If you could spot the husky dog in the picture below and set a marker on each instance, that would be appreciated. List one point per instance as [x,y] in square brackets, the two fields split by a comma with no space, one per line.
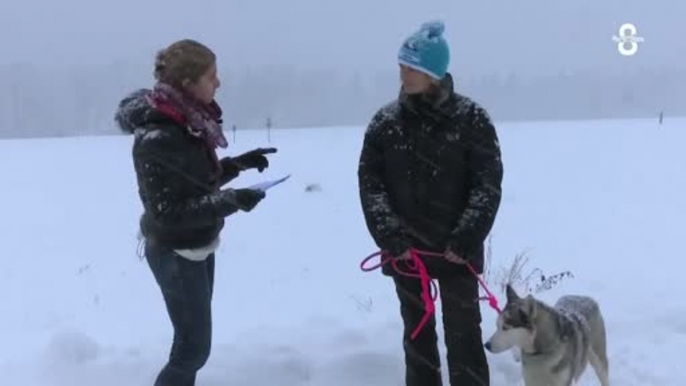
[555,344]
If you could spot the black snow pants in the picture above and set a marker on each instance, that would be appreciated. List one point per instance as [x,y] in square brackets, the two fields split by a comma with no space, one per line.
[187,288]
[467,362]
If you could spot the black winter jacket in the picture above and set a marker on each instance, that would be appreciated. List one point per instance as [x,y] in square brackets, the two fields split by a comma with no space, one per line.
[179,178]
[430,175]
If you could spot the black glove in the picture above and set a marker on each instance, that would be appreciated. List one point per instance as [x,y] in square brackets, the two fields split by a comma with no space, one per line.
[254,159]
[229,166]
[247,199]
[398,248]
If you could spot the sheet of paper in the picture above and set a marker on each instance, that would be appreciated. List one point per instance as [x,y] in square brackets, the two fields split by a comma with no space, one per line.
[264,186]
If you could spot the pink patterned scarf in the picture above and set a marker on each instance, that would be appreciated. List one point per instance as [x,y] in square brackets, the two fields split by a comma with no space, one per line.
[204,121]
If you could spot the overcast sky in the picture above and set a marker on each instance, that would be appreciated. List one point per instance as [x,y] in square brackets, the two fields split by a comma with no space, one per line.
[524,36]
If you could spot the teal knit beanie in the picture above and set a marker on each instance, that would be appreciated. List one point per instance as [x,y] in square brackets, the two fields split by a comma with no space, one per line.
[427,50]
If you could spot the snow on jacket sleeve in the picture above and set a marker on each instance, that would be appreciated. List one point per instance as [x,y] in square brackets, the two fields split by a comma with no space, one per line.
[162,179]
[383,224]
[485,171]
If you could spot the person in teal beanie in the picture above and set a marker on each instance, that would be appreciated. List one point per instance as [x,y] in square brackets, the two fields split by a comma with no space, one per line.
[430,175]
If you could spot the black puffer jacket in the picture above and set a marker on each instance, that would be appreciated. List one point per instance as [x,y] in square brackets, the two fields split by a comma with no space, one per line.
[430,177]
[179,178]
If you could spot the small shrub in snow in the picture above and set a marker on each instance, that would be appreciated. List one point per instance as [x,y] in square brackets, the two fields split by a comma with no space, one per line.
[533,282]
[313,188]
[362,305]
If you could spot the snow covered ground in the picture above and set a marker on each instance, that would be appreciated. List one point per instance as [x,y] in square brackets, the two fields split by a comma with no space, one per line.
[603,200]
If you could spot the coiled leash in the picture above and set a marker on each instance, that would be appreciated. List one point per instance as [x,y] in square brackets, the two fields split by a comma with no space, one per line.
[429,289]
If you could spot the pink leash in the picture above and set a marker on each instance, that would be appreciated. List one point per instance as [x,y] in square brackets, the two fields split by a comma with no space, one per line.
[416,264]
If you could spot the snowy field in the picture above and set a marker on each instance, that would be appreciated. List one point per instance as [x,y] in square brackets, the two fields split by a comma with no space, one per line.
[604,200]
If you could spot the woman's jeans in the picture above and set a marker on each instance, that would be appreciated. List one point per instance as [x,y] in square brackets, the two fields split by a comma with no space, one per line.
[187,287]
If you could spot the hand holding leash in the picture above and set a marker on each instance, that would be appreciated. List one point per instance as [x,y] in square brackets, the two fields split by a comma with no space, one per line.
[454,258]
[407,255]
[420,272]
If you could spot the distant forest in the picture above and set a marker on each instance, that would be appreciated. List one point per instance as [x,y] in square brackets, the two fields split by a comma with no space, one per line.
[49,102]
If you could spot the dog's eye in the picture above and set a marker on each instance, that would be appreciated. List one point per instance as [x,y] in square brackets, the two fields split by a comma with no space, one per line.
[524,317]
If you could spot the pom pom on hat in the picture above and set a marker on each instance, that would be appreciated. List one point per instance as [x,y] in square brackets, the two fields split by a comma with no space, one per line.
[434,28]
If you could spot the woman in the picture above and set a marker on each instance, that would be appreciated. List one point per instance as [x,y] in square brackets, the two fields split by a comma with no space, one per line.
[177,127]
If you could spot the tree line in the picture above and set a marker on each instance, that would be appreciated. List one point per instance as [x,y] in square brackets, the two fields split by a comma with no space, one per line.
[53,102]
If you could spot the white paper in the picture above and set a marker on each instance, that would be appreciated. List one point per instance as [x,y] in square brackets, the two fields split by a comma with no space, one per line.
[264,186]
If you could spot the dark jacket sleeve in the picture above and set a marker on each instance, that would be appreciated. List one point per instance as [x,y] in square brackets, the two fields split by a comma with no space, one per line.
[161,179]
[383,224]
[485,171]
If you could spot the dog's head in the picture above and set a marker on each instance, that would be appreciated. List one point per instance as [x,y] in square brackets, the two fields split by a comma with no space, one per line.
[516,326]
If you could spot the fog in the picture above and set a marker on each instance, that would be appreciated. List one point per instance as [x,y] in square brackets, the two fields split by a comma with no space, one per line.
[65,64]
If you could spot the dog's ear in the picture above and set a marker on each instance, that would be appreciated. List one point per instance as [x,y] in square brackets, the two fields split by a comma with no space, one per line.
[511,294]
[531,307]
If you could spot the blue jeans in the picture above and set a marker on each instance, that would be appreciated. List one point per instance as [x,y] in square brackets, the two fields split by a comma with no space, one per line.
[187,288]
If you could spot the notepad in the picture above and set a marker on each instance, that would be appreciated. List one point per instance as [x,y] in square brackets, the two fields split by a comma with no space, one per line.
[264,186]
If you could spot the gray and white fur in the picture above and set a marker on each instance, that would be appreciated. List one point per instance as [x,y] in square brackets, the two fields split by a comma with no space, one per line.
[556,343]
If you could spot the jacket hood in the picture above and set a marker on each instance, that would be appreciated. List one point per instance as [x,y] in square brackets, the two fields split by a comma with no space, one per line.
[133,111]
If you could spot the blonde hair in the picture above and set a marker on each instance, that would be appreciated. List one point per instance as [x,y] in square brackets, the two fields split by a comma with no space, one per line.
[183,60]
